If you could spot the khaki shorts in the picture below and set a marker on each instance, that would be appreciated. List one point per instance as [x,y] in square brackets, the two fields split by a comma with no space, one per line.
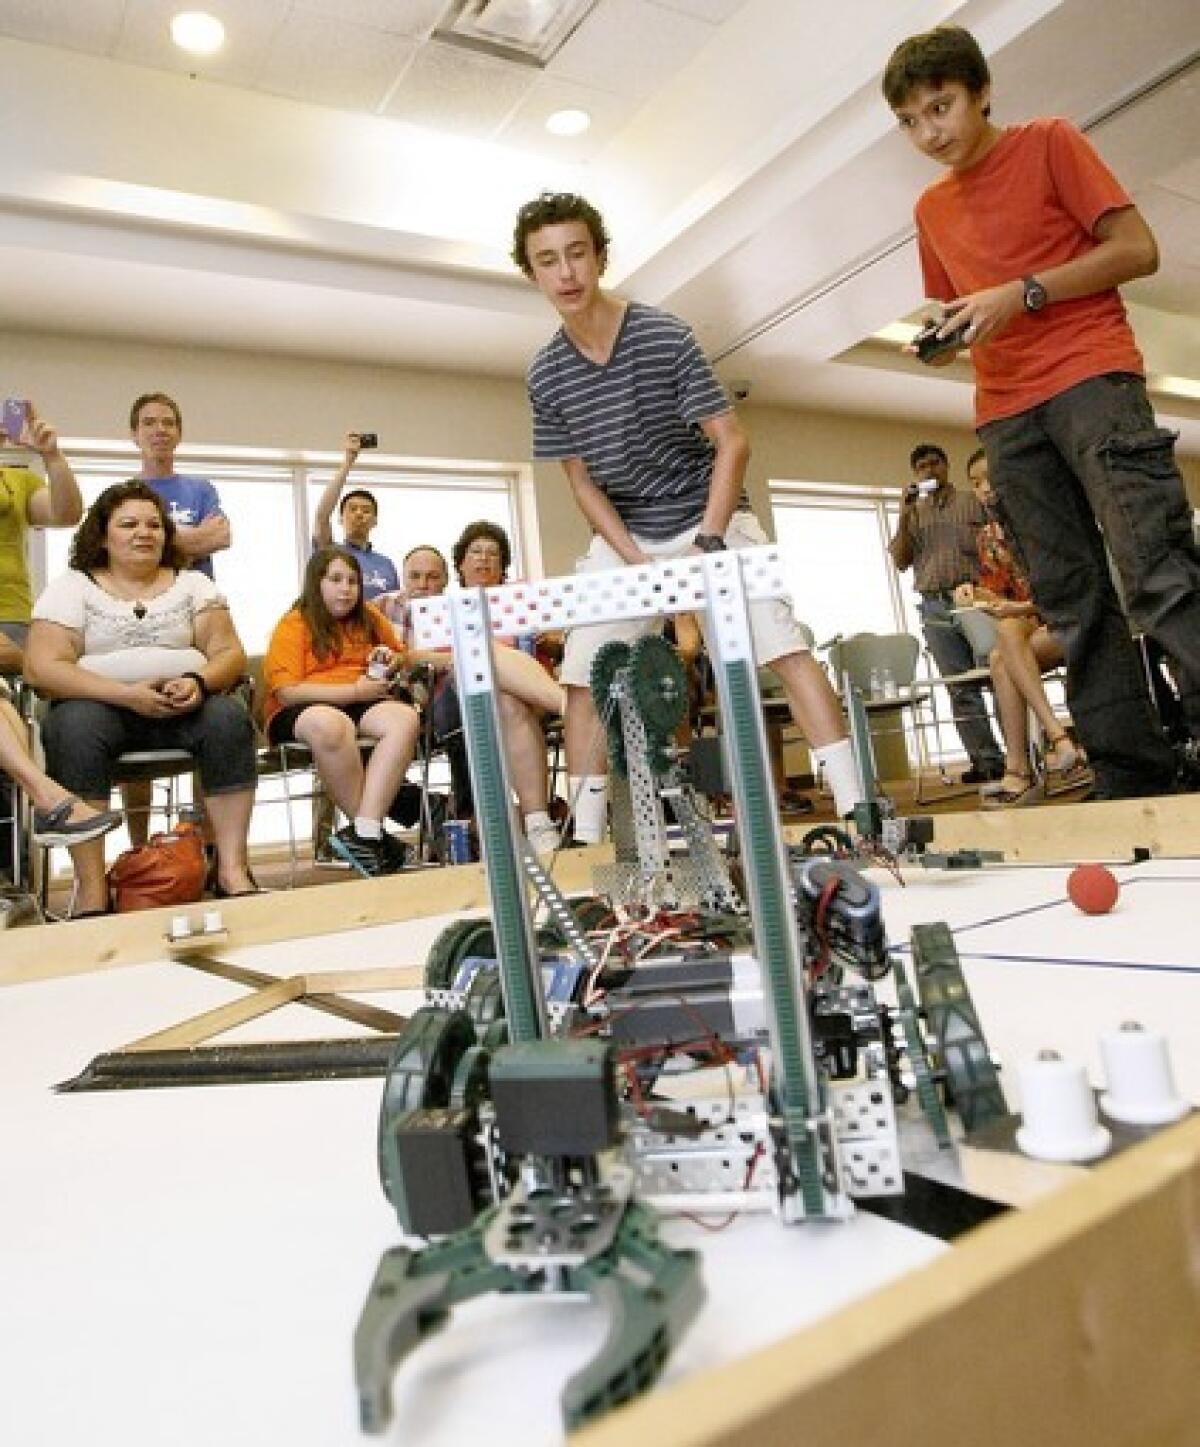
[777,634]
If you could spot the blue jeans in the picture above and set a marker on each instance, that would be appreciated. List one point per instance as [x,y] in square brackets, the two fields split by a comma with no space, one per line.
[1089,467]
[84,738]
[952,652]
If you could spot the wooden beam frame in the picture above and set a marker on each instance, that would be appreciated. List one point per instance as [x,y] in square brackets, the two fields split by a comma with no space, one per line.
[1075,1322]
[265,999]
[79,947]
[1054,834]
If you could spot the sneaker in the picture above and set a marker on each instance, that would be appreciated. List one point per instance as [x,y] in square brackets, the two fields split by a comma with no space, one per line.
[395,853]
[791,802]
[326,857]
[54,826]
[368,856]
[544,840]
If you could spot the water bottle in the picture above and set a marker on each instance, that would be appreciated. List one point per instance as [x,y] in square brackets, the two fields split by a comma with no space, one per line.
[890,688]
[874,684]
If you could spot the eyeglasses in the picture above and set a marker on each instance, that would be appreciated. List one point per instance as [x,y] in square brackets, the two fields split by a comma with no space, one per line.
[484,550]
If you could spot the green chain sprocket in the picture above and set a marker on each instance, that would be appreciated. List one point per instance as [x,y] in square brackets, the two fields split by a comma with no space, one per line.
[658,683]
[608,662]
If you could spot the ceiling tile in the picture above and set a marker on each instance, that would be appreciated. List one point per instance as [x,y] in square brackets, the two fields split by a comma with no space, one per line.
[715,12]
[413,18]
[459,91]
[604,52]
[88,25]
[526,127]
[332,62]
[250,28]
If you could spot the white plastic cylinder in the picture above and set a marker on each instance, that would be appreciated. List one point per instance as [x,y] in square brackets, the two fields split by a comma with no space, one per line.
[1141,1086]
[1059,1110]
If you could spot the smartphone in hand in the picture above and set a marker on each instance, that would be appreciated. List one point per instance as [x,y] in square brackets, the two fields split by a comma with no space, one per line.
[367,440]
[15,417]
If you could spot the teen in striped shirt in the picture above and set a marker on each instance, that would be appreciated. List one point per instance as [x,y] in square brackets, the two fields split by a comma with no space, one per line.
[623,397]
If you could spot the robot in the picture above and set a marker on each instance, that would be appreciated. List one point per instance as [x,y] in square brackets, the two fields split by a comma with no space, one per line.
[530,1126]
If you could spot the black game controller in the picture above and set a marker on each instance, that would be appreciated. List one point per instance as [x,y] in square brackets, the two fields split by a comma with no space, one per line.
[930,346]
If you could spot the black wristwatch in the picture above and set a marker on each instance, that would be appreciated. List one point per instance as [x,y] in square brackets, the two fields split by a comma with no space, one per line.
[1035,295]
[709,542]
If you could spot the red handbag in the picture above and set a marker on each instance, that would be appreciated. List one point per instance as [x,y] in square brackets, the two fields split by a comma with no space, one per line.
[168,869]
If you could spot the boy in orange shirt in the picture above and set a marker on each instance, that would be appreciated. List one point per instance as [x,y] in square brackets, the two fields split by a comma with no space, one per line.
[1026,241]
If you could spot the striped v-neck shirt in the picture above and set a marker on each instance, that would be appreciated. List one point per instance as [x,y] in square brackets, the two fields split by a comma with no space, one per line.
[633,420]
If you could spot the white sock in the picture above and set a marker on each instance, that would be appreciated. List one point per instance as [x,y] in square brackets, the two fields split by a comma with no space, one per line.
[367,828]
[589,794]
[541,832]
[841,769]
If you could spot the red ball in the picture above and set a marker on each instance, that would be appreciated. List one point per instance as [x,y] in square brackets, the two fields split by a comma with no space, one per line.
[1092,888]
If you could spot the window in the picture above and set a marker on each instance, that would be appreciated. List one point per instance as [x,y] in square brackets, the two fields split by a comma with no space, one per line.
[416,509]
[834,539]
[270,506]
[270,509]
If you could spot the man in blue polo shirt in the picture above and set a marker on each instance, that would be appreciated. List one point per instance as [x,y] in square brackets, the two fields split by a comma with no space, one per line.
[655,456]
[201,527]
[359,513]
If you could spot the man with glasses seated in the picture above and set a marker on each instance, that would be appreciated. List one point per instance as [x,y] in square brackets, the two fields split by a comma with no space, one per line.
[527,693]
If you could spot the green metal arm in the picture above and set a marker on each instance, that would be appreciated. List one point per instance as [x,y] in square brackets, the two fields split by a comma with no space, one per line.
[650,1293]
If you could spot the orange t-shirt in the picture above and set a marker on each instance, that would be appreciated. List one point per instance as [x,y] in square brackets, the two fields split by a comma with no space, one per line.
[290,657]
[1032,203]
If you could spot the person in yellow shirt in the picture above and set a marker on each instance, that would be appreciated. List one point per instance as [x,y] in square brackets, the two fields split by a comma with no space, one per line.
[26,500]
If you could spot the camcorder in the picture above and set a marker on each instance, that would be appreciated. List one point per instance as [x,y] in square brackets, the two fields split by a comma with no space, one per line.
[924,488]
[930,346]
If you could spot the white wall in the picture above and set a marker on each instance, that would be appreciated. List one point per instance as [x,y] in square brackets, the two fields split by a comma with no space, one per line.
[85,386]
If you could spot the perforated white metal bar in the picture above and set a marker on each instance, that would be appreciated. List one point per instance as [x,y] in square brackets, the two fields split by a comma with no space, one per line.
[648,590]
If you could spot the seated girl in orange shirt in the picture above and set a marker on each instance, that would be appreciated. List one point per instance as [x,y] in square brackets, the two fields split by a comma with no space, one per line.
[329,672]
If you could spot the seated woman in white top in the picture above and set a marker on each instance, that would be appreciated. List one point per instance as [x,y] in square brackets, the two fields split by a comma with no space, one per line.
[138,652]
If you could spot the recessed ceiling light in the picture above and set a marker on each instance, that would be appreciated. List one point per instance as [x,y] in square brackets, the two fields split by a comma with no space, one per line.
[568,123]
[197,32]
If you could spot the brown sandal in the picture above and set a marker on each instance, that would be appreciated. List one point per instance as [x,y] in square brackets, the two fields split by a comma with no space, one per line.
[1071,757]
[1028,793]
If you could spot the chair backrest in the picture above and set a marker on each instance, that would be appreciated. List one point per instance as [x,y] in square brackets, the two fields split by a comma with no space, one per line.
[257,700]
[862,653]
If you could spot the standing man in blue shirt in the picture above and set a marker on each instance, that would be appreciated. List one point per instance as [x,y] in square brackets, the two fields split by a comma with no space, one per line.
[359,513]
[655,456]
[201,527]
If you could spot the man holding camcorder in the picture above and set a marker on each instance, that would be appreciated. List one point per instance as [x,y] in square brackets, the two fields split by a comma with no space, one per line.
[936,537]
